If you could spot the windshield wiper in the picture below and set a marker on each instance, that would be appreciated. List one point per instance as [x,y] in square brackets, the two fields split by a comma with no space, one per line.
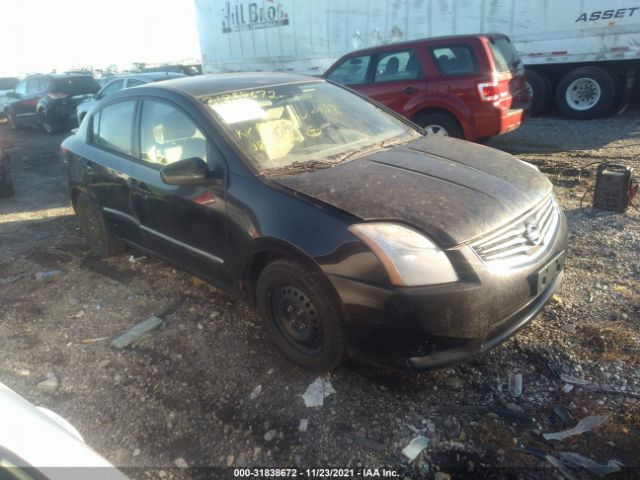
[299,167]
[394,141]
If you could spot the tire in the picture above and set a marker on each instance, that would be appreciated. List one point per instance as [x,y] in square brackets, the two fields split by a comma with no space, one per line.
[541,90]
[15,125]
[586,92]
[440,124]
[50,126]
[6,187]
[94,228]
[302,315]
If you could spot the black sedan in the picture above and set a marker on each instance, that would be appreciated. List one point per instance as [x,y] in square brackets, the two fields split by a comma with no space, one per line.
[353,232]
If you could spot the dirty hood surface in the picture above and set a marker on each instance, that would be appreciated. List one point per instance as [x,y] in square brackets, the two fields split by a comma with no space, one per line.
[452,190]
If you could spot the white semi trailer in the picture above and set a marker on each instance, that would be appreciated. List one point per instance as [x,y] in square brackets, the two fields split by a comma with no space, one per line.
[582,54]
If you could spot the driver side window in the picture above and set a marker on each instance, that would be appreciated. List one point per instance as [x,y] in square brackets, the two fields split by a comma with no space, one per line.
[112,87]
[167,135]
[21,88]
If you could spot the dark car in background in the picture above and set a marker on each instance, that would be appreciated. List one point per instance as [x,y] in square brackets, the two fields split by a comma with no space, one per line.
[353,232]
[7,84]
[471,86]
[49,101]
[120,82]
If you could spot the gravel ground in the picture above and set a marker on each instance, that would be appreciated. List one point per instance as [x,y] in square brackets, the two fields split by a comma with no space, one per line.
[184,395]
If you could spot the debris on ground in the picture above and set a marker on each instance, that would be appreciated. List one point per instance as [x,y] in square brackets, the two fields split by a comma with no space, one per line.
[317,391]
[563,414]
[181,463]
[515,384]
[50,384]
[270,435]
[48,274]
[417,445]
[137,332]
[600,470]
[585,425]
[255,393]
[304,424]
[575,380]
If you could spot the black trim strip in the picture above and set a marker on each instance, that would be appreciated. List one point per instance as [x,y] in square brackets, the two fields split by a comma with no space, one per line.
[135,221]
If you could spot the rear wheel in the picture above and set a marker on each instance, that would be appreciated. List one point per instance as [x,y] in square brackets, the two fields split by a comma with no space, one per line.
[586,92]
[13,122]
[94,227]
[49,125]
[539,87]
[301,313]
[440,124]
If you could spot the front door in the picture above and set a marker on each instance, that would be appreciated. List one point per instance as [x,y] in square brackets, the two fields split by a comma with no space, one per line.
[184,224]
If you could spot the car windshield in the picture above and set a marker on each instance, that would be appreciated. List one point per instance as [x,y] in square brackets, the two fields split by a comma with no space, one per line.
[304,125]
[76,85]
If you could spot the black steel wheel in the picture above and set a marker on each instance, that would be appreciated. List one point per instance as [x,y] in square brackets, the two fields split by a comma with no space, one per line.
[94,227]
[302,314]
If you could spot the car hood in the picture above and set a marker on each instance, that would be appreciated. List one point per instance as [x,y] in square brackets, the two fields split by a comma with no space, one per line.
[450,189]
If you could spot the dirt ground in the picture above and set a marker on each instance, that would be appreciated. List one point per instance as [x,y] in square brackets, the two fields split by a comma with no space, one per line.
[184,392]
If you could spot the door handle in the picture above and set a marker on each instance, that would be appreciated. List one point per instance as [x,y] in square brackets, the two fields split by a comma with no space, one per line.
[141,189]
[410,90]
[90,168]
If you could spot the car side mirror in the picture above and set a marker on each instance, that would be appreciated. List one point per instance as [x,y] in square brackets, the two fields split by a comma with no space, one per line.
[189,172]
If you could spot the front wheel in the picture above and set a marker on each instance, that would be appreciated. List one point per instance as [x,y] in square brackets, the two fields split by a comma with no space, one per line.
[13,122]
[302,315]
[586,92]
[440,124]
[94,227]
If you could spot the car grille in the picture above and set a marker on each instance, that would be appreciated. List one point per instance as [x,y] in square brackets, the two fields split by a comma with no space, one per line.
[521,241]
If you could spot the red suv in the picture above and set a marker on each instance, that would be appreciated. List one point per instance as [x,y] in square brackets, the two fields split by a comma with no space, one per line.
[470,86]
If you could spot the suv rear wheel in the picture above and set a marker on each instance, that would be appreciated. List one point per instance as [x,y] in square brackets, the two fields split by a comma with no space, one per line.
[440,124]
[301,313]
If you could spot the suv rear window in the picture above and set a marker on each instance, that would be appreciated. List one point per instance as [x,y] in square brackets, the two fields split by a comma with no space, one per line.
[505,56]
[455,59]
[76,85]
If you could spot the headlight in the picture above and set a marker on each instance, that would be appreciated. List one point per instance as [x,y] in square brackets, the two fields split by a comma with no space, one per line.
[410,258]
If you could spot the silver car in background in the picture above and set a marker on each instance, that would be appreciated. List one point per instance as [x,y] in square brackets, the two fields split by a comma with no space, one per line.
[120,82]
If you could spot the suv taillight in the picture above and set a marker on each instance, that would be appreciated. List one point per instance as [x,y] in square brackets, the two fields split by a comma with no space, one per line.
[57,95]
[494,91]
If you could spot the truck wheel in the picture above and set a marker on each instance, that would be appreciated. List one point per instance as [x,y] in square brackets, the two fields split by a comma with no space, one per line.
[6,187]
[439,124]
[586,92]
[301,314]
[539,87]
[94,227]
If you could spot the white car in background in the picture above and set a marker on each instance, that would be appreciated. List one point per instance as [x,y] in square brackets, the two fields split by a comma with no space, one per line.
[120,82]
[7,84]
[37,443]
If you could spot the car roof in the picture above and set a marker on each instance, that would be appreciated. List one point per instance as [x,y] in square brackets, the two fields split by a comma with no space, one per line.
[60,75]
[148,76]
[452,38]
[213,84]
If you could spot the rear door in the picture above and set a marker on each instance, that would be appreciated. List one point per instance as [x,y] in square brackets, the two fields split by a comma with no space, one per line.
[30,92]
[184,224]
[396,78]
[106,166]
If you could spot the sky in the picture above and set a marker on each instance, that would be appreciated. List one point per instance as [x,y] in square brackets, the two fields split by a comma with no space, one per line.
[41,35]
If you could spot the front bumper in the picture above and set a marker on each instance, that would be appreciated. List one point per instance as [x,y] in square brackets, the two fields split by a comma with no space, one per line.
[433,326]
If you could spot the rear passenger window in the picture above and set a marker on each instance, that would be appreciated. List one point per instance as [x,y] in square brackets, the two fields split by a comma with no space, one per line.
[455,60]
[397,66]
[113,128]
[168,135]
[352,71]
